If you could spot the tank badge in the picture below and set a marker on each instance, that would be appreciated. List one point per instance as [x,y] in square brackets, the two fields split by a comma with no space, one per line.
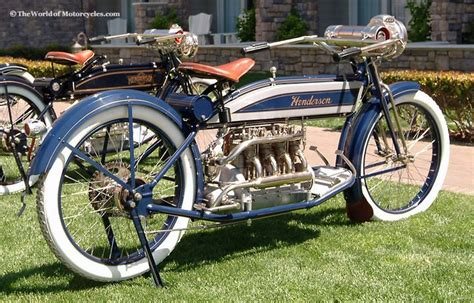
[311,101]
[140,78]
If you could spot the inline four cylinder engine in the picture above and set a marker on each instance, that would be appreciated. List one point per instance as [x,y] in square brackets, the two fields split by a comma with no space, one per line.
[257,166]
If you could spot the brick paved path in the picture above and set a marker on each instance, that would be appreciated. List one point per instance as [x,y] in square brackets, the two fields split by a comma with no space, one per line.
[460,176]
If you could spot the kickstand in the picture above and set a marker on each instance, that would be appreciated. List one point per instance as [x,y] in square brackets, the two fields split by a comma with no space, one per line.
[146,248]
[23,204]
[26,192]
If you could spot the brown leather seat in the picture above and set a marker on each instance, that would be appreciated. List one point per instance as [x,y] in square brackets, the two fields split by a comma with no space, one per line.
[231,71]
[68,58]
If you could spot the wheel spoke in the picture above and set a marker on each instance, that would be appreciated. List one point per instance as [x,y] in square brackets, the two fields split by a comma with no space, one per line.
[93,196]
[395,183]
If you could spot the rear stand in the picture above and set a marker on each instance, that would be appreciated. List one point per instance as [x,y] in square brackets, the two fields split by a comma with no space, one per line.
[146,248]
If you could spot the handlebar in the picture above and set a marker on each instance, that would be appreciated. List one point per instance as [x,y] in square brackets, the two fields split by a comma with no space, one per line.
[352,47]
[153,38]
[100,38]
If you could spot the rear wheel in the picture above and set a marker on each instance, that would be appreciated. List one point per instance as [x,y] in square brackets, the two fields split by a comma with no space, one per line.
[23,104]
[394,187]
[83,212]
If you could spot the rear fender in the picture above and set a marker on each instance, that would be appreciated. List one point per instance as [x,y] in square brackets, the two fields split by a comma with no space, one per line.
[17,71]
[98,104]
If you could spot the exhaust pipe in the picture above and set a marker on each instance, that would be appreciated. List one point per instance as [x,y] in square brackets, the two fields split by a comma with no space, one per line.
[34,128]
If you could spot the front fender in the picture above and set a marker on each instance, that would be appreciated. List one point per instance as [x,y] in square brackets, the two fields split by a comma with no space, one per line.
[357,208]
[85,109]
[367,115]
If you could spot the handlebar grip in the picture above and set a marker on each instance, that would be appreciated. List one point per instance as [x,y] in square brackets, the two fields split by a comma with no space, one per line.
[256,47]
[138,42]
[97,39]
[347,53]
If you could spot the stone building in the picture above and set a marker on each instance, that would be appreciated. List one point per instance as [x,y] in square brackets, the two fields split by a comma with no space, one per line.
[451,19]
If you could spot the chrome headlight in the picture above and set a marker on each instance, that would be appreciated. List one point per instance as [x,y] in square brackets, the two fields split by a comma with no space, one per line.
[188,46]
[379,28]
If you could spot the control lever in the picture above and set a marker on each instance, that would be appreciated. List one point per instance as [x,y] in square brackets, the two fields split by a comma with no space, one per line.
[347,53]
[256,47]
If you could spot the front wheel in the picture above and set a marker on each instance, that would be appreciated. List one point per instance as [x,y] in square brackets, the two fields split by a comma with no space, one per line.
[83,212]
[391,187]
[23,104]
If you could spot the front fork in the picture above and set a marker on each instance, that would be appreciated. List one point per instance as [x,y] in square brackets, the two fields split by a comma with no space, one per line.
[12,146]
[380,88]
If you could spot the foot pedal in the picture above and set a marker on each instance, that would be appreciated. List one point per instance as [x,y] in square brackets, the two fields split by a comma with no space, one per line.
[315,149]
[328,179]
[3,178]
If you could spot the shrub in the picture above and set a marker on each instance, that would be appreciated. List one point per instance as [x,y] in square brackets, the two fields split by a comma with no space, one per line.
[468,36]
[32,53]
[36,67]
[420,23]
[454,93]
[165,21]
[293,26]
[246,26]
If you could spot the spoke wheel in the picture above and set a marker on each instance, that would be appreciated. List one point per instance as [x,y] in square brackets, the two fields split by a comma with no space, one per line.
[23,106]
[88,226]
[392,186]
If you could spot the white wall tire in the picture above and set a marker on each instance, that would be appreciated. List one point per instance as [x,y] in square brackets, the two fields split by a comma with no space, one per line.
[49,211]
[34,100]
[362,203]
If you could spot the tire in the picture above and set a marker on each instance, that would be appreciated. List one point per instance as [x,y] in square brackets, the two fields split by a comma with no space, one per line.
[25,101]
[413,185]
[74,199]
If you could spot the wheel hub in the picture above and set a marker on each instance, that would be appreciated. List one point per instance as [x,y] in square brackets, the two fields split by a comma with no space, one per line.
[18,138]
[105,195]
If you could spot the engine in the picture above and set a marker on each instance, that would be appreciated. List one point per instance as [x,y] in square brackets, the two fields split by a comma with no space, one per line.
[255,167]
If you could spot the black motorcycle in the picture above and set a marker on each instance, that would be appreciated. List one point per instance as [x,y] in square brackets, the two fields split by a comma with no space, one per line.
[26,103]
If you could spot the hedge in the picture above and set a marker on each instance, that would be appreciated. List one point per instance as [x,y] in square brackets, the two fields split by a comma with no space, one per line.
[32,53]
[36,67]
[453,91]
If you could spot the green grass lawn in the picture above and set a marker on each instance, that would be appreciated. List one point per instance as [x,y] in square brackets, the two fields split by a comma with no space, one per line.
[314,255]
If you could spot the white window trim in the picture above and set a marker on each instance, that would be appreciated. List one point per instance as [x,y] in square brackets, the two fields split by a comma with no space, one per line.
[354,6]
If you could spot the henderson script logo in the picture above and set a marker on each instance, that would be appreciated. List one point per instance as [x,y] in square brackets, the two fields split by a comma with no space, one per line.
[140,78]
[298,101]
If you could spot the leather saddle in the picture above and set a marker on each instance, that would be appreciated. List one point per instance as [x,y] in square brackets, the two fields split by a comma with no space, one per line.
[231,71]
[70,59]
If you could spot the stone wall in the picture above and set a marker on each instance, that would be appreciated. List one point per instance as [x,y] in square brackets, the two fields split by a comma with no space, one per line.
[270,14]
[451,19]
[305,59]
[145,12]
[18,29]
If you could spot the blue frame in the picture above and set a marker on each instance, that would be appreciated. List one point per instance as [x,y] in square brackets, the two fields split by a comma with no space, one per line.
[195,116]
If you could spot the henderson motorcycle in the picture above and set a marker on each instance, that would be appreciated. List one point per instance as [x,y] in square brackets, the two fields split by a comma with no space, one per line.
[24,98]
[121,173]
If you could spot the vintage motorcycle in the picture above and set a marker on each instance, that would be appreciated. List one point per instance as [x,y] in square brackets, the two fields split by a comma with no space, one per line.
[24,98]
[391,160]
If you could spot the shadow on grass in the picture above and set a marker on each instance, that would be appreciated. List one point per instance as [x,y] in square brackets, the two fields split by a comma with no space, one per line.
[212,246]
[196,249]
[46,278]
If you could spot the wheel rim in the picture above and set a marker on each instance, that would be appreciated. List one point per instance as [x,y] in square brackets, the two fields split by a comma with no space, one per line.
[22,110]
[91,205]
[409,179]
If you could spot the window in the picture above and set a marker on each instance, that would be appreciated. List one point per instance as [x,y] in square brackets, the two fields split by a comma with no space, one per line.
[357,12]
[224,12]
